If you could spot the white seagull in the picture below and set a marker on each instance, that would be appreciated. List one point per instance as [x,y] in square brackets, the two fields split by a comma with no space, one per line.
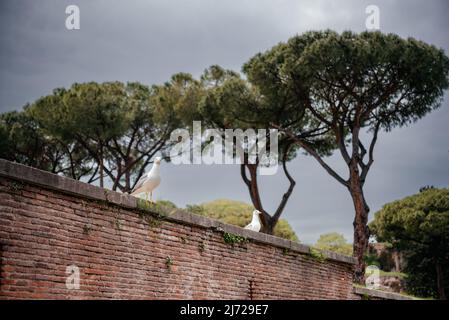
[255,224]
[148,182]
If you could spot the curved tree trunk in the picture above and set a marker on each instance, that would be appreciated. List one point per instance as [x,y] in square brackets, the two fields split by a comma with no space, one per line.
[268,222]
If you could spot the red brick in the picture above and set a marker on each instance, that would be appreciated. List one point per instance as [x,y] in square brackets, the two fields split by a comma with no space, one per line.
[42,231]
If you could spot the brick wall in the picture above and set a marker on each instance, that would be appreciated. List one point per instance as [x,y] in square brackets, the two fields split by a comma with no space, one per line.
[48,223]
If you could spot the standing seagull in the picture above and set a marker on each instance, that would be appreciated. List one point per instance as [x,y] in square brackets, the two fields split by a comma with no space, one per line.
[149,182]
[255,224]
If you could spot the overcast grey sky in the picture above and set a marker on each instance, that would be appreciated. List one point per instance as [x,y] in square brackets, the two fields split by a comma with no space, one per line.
[149,40]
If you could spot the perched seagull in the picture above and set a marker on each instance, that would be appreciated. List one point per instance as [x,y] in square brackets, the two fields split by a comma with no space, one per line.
[255,224]
[148,182]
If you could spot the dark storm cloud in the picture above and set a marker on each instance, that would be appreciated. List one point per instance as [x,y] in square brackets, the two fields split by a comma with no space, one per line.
[148,41]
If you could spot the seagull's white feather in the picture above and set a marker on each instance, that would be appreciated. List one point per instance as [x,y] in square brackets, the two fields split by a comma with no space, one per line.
[150,181]
[140,182]
[255,224]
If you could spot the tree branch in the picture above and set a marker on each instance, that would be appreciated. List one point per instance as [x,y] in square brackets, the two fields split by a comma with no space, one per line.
[339,133]
[287,194]
[370,154]
[314,154]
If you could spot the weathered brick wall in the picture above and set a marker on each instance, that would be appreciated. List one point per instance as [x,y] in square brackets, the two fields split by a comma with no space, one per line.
[49,222]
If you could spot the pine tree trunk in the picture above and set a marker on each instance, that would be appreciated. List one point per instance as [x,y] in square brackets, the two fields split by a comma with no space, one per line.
[361,233]
[267,221]
[440,282]
[268,226]
[101,167]
[127,178]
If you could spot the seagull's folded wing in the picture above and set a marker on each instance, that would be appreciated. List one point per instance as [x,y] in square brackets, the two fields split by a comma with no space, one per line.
[140,183]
